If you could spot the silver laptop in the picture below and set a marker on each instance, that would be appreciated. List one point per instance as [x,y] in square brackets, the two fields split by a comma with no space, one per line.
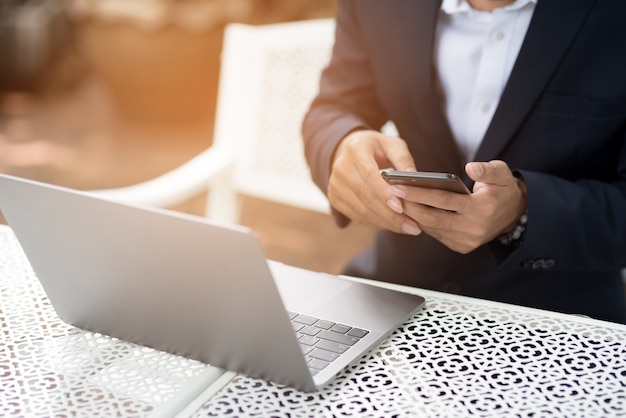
[195,288]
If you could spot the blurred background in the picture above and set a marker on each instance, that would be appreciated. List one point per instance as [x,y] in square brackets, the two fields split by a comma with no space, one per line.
[105,93]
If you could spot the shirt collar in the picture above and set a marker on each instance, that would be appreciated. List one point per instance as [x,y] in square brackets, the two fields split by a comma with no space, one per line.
[462,6]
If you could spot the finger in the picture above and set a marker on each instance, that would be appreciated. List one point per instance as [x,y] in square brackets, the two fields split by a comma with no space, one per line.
[454,230]
[436,198]
[397,155]
[396,221]
[362,195]
[494,172]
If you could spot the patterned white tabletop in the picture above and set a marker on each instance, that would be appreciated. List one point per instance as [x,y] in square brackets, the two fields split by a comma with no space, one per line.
[460,357]
[457,357]
[49,369]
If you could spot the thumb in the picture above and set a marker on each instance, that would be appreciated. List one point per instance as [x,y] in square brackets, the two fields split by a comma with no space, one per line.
[493,172]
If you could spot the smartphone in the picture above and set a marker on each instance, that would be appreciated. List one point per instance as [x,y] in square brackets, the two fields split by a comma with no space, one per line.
[433,180]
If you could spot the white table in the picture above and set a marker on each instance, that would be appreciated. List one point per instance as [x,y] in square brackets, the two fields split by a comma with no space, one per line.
[458,356]
[50,369]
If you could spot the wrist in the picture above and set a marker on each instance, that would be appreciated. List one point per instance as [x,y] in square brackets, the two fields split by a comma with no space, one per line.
[515,236]
[345,143]
[515,233]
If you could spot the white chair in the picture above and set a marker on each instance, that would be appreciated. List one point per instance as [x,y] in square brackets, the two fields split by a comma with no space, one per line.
[269,74]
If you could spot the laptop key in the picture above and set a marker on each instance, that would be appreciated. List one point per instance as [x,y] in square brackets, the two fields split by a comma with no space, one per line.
[324,324]
[336,337]
[317,364]
[340,328]
[309,330]
[305,319]
[357,332]
[332,346]
[323,354]
[308,340]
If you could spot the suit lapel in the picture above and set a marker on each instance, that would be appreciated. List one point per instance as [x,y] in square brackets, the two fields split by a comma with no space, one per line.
[552,29]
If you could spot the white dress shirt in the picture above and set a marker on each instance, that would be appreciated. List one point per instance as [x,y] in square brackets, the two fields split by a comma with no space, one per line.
[474,54]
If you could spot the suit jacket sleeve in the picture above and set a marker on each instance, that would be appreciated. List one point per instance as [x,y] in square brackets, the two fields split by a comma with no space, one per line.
[346,102]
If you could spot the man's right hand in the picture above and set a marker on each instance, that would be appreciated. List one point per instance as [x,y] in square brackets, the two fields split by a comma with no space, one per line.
[356,188]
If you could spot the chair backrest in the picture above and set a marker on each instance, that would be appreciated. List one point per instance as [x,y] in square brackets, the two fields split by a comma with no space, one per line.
[269,75]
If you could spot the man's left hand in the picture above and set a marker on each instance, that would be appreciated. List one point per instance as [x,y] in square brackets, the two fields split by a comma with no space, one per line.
[465,222]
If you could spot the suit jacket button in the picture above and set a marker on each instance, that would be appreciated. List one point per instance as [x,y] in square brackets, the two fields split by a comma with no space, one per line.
[548,263]
[538,263]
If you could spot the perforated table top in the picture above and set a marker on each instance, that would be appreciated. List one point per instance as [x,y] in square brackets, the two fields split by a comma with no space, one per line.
[461,357]
[50,369]
[457,357]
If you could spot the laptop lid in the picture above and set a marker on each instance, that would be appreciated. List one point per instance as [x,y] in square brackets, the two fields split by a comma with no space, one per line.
[184,284]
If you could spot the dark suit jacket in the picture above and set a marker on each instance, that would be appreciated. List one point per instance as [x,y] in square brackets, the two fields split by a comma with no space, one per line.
[561,123]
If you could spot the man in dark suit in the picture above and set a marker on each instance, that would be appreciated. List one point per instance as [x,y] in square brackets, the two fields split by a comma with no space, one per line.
[526,99]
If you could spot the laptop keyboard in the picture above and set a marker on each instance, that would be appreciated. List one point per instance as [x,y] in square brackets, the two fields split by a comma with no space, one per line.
[323,341]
